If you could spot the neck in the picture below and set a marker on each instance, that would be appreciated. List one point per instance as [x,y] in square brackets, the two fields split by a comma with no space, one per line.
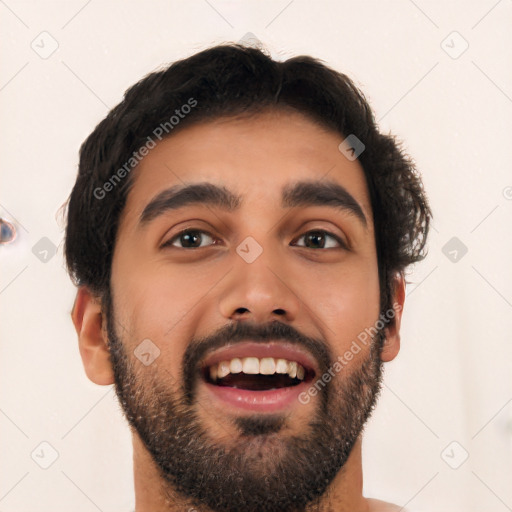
[345,494]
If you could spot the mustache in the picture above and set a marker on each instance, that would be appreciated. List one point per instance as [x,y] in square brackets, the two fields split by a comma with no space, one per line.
[243,331]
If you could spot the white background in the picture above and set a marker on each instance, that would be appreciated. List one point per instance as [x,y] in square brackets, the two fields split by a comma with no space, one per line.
[452,379]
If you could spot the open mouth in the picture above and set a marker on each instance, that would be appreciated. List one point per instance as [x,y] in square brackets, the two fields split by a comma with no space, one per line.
[265,377]
[257,374]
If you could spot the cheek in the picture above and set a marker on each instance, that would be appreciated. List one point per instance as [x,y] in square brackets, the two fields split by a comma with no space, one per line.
[158,303]
[347,302]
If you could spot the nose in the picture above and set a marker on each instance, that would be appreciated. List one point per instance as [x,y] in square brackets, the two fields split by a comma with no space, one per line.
[260,292]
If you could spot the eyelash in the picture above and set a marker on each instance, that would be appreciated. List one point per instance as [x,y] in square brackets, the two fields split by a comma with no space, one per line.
[169,244]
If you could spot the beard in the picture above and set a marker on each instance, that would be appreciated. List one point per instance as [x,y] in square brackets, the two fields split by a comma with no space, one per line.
[263,469]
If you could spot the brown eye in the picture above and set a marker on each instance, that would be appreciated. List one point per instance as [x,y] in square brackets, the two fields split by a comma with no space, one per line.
[316,238]
[189,239]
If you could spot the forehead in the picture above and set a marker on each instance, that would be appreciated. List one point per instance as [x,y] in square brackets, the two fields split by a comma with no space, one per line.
[257,159]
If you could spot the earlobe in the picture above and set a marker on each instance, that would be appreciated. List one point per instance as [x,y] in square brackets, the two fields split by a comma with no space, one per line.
[92,341]
[392,344]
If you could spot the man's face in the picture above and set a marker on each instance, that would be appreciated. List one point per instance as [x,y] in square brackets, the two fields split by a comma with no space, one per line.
[246,312]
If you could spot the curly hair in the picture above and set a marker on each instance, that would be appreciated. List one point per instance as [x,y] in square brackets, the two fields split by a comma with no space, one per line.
[234,80]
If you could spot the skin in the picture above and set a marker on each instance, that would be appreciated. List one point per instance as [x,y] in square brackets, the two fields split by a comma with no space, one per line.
[331,295]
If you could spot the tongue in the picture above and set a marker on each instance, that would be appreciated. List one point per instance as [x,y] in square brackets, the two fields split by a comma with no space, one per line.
[257,382]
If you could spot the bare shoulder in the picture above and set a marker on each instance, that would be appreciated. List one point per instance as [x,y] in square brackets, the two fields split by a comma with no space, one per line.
[382,506]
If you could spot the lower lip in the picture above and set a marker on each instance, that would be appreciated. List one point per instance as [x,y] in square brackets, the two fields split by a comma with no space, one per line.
[260,401]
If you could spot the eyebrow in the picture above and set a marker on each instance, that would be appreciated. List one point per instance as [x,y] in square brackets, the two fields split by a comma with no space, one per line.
[298,194]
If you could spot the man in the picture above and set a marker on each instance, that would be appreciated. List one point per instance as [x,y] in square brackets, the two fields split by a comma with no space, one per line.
[239,231]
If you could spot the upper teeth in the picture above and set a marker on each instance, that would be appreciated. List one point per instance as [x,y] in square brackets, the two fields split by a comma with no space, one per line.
[253,365]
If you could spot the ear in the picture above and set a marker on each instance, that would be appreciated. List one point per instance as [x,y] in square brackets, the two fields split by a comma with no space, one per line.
[92,339]
[392,344]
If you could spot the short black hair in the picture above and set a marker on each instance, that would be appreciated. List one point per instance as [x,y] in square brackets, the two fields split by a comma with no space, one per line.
[232,80]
